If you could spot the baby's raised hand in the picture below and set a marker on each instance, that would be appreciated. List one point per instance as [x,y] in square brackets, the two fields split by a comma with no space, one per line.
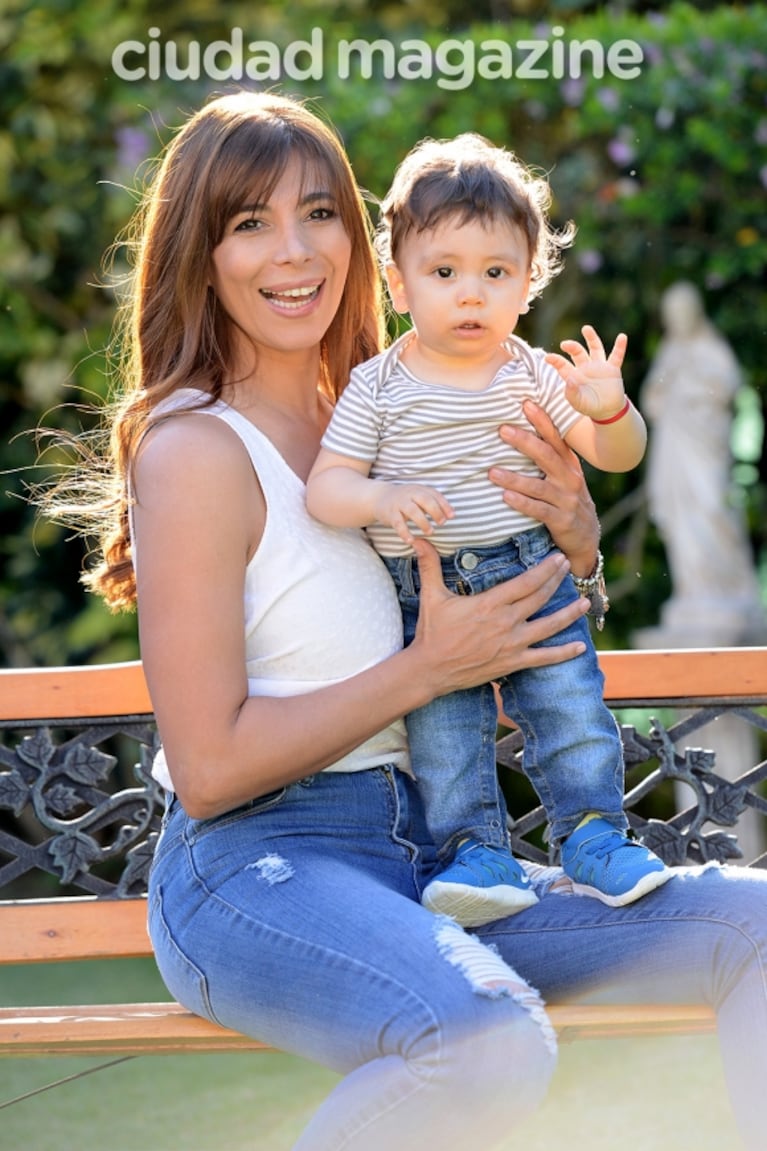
[593,381]
[400,504]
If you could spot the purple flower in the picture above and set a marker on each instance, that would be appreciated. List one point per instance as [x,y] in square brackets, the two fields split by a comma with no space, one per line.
[132,147]
[590,261]
[652,54]
[609,99]
[572,91]
[620,151]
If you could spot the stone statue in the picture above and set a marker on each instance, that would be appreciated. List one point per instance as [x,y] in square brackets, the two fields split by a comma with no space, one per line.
[687,399]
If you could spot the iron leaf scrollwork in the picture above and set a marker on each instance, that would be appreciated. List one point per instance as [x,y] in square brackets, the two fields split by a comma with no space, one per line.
[653,761]
[78,818]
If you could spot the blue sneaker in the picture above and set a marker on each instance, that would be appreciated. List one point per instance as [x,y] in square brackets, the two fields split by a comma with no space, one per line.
[604,862]
[481,883]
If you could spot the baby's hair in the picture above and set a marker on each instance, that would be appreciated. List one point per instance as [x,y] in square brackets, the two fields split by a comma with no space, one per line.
[468,178]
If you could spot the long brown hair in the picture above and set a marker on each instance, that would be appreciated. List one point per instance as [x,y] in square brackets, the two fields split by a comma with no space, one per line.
[171,332]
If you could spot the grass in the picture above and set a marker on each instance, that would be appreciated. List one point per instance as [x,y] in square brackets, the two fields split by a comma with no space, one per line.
[652,1093]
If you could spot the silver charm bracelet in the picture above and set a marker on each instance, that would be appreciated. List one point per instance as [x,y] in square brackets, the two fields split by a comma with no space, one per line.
[593,588]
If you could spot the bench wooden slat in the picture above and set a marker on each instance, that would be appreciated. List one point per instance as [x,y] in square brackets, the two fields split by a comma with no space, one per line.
[621,1020]
[120,689]
[137,1028]
[69,692]
[700,674]
[163,1028]
[52,930]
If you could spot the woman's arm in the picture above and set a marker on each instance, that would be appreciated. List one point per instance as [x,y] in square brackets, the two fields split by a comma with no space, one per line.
[198,519]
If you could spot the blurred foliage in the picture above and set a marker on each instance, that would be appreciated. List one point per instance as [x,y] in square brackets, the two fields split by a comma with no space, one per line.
[664,174]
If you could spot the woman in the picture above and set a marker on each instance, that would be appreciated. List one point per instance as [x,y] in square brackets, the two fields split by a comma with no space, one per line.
[284,896]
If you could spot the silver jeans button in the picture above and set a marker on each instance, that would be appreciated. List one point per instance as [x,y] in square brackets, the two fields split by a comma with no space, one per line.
[469,561]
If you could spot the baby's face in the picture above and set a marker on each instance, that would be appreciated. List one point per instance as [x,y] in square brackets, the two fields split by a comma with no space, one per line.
[464,285]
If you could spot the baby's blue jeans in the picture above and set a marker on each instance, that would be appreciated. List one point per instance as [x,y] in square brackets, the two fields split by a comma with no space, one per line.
[572,751]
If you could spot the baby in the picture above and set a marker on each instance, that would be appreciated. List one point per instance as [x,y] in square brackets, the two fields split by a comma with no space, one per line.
[466,244]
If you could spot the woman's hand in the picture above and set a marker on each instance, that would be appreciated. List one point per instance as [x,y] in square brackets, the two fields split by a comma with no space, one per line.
[464,641]
[561,499]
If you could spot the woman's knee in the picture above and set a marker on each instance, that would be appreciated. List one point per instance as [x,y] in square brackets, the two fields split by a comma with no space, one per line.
[496,1023]
[499,1073]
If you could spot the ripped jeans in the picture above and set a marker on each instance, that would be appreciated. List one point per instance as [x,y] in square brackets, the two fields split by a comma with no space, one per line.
[296,919]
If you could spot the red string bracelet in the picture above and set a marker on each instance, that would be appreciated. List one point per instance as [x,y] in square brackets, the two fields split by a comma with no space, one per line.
[618,415]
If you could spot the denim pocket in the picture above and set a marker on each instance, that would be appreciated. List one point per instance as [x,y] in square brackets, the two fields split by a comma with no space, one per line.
[197,828]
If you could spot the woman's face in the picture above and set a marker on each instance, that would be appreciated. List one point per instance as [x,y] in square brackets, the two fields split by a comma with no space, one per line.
[280,269]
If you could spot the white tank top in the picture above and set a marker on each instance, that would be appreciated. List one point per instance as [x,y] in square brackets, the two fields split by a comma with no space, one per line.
[319,604]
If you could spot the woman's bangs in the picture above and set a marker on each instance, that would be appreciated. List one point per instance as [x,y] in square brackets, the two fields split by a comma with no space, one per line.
[253,160]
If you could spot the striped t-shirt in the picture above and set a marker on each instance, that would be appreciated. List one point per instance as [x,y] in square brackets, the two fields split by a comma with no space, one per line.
[411,431]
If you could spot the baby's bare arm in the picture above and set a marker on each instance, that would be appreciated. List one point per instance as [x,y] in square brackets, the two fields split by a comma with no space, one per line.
[341,493]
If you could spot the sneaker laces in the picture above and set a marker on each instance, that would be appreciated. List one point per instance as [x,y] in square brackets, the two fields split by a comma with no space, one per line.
[499,865]
[605,844]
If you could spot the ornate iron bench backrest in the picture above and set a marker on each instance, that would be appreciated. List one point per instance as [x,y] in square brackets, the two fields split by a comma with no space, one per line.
[80,811]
